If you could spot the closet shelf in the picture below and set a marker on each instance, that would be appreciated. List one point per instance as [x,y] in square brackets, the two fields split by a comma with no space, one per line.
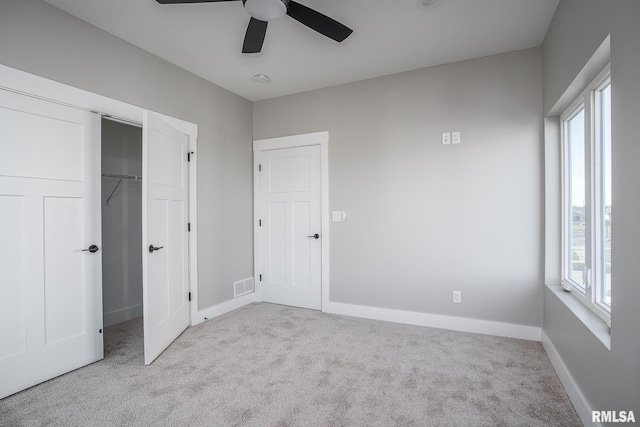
[121,177]
[115,175]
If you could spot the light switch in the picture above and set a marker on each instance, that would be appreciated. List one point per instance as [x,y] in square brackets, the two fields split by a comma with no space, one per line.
[337,216]
[446,138]
[455,138]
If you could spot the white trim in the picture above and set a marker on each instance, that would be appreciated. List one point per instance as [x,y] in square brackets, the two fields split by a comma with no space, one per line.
[193,220]
[293,141]
[553,201]
[29,84]
[223,308]
[40,87]
[122,315]
[324,170]
[256,232]
[585,293]
[462,324]
[580,403]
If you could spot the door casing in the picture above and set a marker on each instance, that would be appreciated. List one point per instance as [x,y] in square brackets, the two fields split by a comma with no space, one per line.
[309,139]
[25,83]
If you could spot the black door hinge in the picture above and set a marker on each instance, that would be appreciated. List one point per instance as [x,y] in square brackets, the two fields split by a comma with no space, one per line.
[189,296]
[261,277]
[260,168]
[188,226]
[259,223]
[189,155]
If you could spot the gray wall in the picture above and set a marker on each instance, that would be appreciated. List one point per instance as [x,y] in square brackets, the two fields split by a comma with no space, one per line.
[40,39]
[424,219]
[121,223]
[609,379]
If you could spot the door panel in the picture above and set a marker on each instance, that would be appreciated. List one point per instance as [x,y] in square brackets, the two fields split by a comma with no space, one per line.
[177,250]
[289,206]
[37,146]
[50,290]
[12,303]
[165,204]
[276,227]
[289,174]
[63,280]
[301,244]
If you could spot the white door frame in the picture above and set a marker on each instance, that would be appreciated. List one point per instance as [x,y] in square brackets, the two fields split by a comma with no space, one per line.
[293,141]
[25,83]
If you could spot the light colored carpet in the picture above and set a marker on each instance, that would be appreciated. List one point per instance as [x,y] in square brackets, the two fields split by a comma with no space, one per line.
[270,365]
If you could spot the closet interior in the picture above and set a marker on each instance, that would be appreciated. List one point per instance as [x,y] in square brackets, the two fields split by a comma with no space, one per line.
[121,222]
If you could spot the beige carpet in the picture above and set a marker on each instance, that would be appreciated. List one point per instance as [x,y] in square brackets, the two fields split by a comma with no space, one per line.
[269,365]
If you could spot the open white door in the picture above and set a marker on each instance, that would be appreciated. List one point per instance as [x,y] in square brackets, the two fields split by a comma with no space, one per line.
[165,239]
[50,283]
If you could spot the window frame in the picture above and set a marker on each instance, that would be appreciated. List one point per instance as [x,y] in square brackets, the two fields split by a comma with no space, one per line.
[595,255]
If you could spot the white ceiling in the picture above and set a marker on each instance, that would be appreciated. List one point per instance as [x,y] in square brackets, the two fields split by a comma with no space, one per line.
[389,36]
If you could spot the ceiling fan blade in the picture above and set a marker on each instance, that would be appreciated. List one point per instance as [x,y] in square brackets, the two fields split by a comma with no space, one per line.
[253,39]
[318,22]
[190,1]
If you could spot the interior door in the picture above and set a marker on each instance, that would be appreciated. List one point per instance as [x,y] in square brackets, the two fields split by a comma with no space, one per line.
[165,239]
[50,283]
[289,212]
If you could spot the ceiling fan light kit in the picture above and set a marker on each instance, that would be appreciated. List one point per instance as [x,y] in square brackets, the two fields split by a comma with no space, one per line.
[266,10]
[263,11]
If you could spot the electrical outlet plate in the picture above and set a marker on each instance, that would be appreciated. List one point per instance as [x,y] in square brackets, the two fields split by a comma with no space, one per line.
[457,297]
[455,138]
[446,138]
[338,216]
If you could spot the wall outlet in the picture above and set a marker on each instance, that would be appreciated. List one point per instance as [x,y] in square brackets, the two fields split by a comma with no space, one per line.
[457,297]
[338,216]
[446,138]
[455,138]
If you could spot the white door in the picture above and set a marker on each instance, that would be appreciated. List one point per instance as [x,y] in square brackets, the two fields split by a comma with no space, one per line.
[289,213]
[50,285]
[165,213]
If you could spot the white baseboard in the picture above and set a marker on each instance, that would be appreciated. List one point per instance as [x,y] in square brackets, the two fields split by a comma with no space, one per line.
[122,315]
[463,324]
[578,400]
[223,308]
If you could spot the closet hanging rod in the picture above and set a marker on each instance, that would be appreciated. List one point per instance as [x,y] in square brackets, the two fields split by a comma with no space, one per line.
[120,177]
[115,175]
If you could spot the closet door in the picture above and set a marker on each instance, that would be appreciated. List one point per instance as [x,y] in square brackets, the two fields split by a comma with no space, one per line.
[165,239]
[50,282]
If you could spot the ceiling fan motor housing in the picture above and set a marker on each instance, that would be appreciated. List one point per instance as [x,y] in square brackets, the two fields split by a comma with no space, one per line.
[266,10]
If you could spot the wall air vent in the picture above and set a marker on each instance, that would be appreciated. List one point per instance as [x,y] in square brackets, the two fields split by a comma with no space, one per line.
[243,287]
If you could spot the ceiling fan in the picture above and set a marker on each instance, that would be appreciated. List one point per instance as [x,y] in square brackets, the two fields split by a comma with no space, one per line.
[263,11]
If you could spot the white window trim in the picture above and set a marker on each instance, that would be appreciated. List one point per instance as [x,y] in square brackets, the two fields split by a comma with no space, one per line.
[587,100]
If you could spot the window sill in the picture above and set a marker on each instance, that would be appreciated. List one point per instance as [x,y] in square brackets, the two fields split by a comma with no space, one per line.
[591,321]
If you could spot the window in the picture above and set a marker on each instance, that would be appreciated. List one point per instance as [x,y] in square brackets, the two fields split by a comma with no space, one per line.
[586,196]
